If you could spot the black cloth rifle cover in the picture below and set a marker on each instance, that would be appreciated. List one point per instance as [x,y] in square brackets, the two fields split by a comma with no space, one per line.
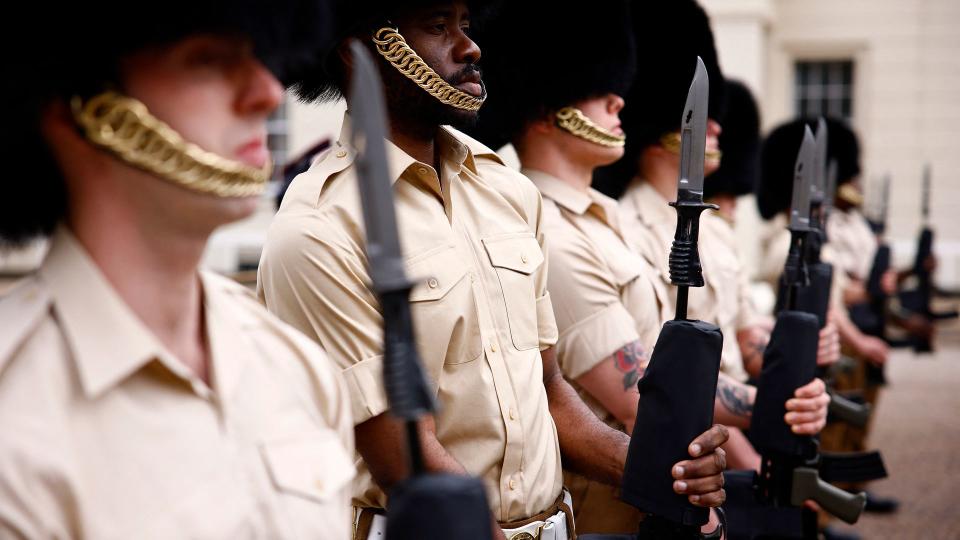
[438,506]
[748,519]
[814,298]
[677,393]
[789,362]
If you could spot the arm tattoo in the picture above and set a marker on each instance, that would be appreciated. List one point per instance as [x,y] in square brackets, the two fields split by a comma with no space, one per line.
[734,397]
[631,361]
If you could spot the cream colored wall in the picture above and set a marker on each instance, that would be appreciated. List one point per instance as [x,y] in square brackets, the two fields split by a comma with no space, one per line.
[907,91]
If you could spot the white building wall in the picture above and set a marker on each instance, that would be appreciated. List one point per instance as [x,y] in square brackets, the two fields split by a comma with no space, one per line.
[907,92]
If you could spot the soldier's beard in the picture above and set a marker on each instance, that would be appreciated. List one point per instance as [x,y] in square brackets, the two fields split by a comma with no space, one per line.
[417,109]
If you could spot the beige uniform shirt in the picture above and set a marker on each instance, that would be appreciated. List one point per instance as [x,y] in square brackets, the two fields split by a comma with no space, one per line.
[724,300]
[106,435]
[605,296]
[853,241]
[472,236]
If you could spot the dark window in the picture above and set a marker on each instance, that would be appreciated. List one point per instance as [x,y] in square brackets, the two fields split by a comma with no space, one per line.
[824,88]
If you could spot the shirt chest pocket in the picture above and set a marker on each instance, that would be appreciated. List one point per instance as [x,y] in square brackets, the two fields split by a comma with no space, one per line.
[313,467]
[444,309]
[516,257]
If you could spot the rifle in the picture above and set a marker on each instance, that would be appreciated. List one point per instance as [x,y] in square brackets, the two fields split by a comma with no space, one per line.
[789,472]
[424,505]
[918,300]
[678,389]
[815,298]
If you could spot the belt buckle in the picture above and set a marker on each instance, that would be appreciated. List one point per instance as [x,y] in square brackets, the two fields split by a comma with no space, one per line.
[527,536]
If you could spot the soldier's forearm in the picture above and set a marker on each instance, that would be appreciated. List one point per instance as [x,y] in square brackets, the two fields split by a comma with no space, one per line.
[380,439]
[587,445]
[734,403]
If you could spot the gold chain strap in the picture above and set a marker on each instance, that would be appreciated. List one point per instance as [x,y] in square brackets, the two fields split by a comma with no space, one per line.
[391,45]
[572,120]
[123,126]
[671,142]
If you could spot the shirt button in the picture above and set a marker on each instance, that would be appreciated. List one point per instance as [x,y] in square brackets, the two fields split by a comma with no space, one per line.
[473,277]
[513,414]
[341,154]
[493,347]
[512,483]
[432,283]
[422,171]
[523,258]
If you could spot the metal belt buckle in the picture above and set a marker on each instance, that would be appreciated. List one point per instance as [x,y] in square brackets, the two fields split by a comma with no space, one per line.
[527,536]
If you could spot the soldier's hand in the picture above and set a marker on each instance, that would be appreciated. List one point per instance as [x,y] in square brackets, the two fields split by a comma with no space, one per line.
[828,345]
[701,478]
[888,282]
[874,350]
[807,410]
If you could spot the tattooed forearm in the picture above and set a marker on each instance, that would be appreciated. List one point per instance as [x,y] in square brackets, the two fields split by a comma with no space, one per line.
[735,397]
[631,360]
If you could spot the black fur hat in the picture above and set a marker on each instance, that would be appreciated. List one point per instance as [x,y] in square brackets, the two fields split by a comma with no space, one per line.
[353,17]
[75,48]
[740,144]
[533,66]
[779,155]
[670,35]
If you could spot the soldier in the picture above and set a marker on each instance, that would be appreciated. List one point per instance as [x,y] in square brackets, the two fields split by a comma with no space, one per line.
[140,397]
[610,302]
[473,233]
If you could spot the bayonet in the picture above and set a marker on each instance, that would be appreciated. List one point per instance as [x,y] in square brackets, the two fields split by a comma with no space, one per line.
[407,390]
[925,195]
[819,174]
[685,269]
[795,270]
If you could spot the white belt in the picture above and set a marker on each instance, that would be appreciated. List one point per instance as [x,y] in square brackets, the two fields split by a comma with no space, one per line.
[552,528]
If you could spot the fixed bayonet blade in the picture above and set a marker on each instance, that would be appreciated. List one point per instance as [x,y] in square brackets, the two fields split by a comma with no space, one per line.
[802,177]
[693,136]
[925,195]
[818,186]
[368,114]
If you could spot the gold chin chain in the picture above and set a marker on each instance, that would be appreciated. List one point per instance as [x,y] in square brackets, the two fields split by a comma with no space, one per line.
[671,141]
[572,120]
[123,126]
[850,194]
[391,45]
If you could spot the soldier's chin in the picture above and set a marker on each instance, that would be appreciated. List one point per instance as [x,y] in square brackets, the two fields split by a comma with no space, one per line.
[458,118]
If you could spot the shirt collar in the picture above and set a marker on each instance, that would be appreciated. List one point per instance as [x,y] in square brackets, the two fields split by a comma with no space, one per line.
[577,201]
[85,305]
[455,147]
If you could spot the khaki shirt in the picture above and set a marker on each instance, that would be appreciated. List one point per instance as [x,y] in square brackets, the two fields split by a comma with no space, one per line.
[724,299]
[472,236]
[853,241]
[605,296]
[107,435]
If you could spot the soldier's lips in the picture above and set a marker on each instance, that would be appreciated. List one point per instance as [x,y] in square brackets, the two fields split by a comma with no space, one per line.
[473,88]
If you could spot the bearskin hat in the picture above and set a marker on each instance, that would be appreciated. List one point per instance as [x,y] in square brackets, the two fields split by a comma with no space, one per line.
[78,50]
[532,68]
[352,17]
[779,155]
[739,142]
[670,35]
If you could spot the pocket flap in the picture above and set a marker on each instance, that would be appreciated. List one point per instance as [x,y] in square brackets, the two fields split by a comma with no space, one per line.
[314,466]
[519,252]
[434,274]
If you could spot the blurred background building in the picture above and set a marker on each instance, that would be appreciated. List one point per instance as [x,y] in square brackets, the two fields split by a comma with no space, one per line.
[890,67]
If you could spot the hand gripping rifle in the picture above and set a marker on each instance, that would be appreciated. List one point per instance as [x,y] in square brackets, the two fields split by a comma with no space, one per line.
[789,471]
[424,505]
[678,389]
